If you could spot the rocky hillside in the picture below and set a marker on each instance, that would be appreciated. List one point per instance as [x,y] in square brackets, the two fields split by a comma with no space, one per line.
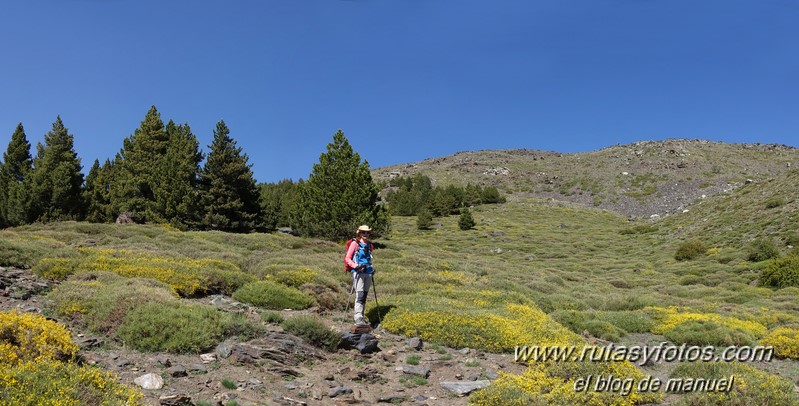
[643,179]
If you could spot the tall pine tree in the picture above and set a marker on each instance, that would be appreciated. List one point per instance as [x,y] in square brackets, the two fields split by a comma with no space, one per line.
[339,195]
[137,169]
[15,167]
[176,192]
[56,179]
[229,192]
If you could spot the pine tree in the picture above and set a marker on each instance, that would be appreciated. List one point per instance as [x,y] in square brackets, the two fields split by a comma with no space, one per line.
[177,187]
[424,220]
[229,192]
[97,193]
[340,195]
[56,179]
[466,221]
[138,165]
[15,167]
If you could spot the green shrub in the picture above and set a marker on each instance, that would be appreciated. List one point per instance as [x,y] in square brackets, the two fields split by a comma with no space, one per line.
[690,250]
[56,268]
[228,384]
[177,328]
[295,277]
[25,250]
[272,317]
[272,295]
[689,280]
[101,300]
[762,249]
[592,322]
[225,281]
[792,239]
[708,332]
[413,359]
[752,387]
[642,229]
[781,273]
[774,202]
[635,321]
[313,331]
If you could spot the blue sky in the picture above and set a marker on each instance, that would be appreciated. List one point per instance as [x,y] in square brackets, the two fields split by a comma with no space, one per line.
[404,79]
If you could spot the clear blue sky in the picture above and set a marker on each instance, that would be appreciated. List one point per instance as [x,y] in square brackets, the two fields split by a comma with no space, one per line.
[405,79]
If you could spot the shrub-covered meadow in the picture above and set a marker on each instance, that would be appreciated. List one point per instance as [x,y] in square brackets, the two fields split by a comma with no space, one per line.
[530,272]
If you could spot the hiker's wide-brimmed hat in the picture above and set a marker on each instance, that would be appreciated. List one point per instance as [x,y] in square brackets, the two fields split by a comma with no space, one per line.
[364,228]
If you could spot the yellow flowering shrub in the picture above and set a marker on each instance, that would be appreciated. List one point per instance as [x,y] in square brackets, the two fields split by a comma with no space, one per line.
[751,386]
[31,337]
[63,384]
[671,317]
[188,277]
[785,342]
[294,277]
[553,383]
[515,325]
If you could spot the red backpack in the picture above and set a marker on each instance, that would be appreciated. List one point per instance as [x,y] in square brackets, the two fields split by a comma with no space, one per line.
[347,249]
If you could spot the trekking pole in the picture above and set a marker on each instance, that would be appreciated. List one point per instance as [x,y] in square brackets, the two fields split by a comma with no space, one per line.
[374,289]
[349,298]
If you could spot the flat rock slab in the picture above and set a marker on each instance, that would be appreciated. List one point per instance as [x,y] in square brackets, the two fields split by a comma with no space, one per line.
[281,348]
[341,390]
[464,388]
[414,370]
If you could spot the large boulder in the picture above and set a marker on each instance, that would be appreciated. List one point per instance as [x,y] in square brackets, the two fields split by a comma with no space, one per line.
[365,343]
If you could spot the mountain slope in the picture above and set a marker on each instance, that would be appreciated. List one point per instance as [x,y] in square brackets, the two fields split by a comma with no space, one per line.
[639,179]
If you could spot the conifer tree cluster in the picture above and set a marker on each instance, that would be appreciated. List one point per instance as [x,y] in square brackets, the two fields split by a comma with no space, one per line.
[157,178]
[415,196]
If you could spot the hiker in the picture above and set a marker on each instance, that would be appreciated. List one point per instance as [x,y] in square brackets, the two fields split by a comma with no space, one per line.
[359,262]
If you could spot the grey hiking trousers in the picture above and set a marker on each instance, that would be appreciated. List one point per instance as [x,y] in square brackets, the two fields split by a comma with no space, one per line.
[360,284]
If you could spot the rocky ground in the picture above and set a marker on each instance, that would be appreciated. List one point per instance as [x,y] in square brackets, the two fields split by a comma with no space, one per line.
[279,368]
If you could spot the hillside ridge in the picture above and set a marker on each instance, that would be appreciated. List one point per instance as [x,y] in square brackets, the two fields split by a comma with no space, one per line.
[640,179]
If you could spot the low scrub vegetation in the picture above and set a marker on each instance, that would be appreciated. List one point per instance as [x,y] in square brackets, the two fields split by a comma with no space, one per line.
[271,295]
[704,328]
[313,330]
[143,313]
[752,387]
[189,277]
[177,328]
[27,337]
[690,250]
[781,273]
[785,342]
[37,368]
[60,383]
[762,249]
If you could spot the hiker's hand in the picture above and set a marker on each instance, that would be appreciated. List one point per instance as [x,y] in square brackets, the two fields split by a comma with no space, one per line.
[361,268]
